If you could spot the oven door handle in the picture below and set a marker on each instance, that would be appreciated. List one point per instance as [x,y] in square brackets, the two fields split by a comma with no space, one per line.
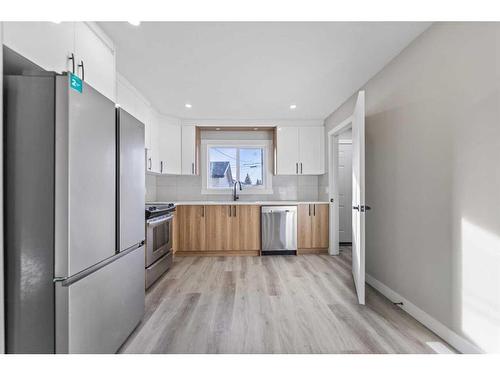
[154,223]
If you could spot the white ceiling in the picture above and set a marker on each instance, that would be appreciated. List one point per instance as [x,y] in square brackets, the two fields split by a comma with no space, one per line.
[254,70]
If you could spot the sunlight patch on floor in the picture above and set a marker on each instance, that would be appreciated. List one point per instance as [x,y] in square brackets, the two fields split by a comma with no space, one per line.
[439,347]
[481,286]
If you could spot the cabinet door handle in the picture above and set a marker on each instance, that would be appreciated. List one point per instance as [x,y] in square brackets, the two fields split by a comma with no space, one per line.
[301,168]
[296,168]
[72,58]
[230,211]
[234,211]
[314,210]
[203,212]
[309,210]
[192,168]
[150,164]
[83,69]
[161,166]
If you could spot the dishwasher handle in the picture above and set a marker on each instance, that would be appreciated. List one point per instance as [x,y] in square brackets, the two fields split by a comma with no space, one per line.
[269,209]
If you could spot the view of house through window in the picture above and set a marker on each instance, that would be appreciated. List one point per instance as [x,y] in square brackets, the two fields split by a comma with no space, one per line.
[227,165]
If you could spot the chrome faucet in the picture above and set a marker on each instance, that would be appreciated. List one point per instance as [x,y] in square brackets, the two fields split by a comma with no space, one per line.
[235,195]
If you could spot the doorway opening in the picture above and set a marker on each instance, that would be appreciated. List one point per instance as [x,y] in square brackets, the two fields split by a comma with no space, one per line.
[345,187]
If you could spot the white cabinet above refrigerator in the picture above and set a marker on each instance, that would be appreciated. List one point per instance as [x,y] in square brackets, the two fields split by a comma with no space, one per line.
[79,47]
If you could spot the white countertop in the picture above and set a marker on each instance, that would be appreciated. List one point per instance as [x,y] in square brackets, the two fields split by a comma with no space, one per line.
[259,203]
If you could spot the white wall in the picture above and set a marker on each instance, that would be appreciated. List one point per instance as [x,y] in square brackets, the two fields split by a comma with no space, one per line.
[433,177]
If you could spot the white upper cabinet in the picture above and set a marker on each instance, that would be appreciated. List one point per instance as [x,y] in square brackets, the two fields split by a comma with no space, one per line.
[300,150]
[126,96]
[287,156]
[47,44]
[95,58]
[50,45]
[162,133]
[169,132]
[132,101]
[153,163]
[189,165]
[312,150]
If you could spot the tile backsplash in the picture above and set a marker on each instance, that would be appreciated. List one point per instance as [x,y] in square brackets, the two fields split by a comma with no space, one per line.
[323,187]
[150,188]
[188,188]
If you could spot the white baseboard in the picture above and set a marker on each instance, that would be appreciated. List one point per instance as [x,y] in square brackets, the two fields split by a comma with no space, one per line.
[458,342]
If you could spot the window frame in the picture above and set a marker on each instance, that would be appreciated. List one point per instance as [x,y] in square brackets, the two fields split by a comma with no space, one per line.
[265,188]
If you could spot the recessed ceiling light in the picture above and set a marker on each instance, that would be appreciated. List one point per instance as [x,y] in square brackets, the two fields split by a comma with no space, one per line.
[217,128]
[134,23]
[255,128]
[187,105]
[293,106]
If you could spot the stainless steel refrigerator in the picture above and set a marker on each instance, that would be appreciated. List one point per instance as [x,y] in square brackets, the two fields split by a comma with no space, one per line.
[74,217]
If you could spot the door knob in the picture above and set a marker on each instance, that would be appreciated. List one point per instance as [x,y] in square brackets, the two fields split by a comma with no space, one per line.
[361,208]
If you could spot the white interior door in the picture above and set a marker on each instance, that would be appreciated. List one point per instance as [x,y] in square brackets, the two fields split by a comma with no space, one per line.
[358,196]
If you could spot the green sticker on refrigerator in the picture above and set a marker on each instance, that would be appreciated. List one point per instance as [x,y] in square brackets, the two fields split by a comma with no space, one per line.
[75,82]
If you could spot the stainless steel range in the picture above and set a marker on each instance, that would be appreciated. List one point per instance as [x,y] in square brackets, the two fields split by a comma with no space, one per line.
[159,231]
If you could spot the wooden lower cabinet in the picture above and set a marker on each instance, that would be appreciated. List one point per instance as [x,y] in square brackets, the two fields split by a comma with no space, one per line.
[313,228]
[248,227]
[191,230]
[235,229]
[304,226]
[218,230]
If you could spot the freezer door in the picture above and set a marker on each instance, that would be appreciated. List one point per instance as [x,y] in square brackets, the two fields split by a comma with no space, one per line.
[98,312]
[85,178]
[131,180]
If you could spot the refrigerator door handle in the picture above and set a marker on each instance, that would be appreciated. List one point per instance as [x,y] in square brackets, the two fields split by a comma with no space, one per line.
[83,69]
[67,281]
[72,58]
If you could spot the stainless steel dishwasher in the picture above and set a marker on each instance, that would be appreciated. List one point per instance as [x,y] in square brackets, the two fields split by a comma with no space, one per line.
[279,230]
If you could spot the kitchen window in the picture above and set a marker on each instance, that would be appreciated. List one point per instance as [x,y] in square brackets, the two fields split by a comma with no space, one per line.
[226,162]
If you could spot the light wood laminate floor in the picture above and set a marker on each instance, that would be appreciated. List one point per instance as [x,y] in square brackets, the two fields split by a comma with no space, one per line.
[272,304]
